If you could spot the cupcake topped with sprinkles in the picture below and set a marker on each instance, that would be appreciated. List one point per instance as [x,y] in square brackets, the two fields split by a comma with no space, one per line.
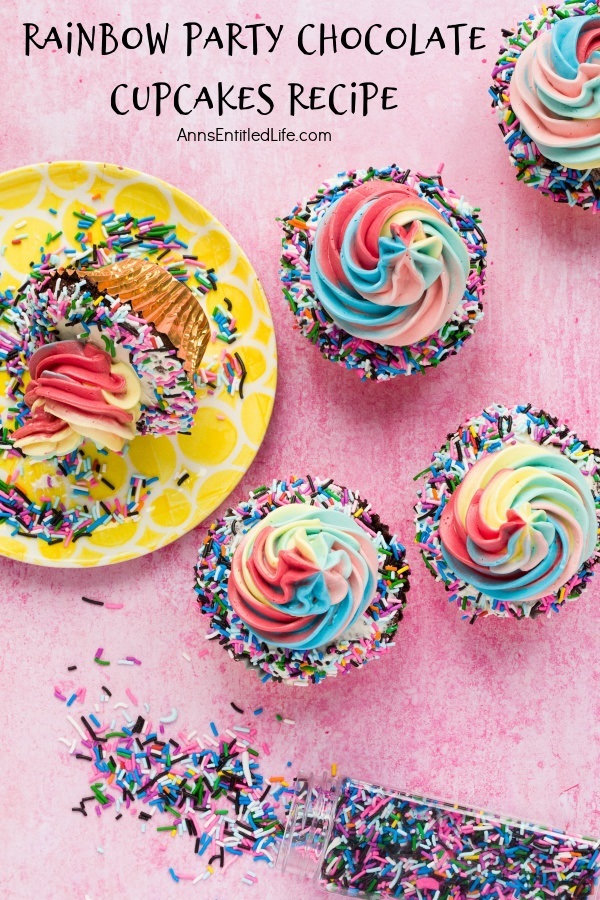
[112,352]
[547,94]
[508,518]
[384,270]
[302,581]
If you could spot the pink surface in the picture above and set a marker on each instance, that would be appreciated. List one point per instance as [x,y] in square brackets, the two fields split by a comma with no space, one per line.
[502,714]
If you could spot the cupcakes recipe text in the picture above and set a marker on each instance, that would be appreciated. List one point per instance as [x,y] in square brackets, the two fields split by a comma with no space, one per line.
[214,42]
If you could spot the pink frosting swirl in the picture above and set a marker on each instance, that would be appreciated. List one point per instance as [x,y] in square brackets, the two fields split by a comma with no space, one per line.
[77,391]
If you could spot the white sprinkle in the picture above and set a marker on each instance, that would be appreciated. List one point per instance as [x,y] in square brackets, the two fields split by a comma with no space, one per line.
[76,726]
[20,224]
[197,879]
[192,734]
[73,745]
[289,722]
[125,662]
[147,707]
[187,657]
[121,705]
[65,741]
[100,849]
[170,718]
[246,768]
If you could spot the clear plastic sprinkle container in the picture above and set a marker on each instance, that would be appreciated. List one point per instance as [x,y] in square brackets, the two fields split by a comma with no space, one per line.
[360,840]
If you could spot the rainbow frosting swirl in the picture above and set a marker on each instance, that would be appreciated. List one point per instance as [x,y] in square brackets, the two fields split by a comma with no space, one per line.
[520,524]
[555,92]
[77,391]
[302,576]
[386,266]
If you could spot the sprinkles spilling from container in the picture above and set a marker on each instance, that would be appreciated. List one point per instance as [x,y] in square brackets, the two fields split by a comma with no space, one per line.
[372,361]
[292,666]
[208,787]
[410,846]
[495,427]
[573,186]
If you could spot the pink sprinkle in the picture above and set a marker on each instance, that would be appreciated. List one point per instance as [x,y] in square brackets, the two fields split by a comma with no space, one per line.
[114,605]
[134,660]
[131,697]
[202,653]
[58,694]
[427,883]
[81,694]
[99,652]
[98,810]
[266,749]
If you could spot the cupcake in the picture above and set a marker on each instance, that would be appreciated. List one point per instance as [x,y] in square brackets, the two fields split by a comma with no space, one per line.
[112,353]
[302,581]
[508,517]
[384,271]
[547,94]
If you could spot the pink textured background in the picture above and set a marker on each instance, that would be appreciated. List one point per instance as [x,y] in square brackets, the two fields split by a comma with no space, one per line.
[503,715]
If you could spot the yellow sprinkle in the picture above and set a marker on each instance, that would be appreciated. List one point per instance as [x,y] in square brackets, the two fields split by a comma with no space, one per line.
[334,769]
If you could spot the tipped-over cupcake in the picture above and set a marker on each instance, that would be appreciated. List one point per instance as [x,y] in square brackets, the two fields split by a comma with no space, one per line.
[384,270]
[112,354]
[302,581]
[547,93]
[508,518]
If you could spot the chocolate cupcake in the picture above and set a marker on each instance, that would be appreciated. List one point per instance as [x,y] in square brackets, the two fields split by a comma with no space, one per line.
[112,353]
[546,91]
[508,518]
[384,271]
[302,581]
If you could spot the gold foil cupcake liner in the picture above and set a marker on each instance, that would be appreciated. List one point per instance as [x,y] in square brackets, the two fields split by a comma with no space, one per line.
[168,304]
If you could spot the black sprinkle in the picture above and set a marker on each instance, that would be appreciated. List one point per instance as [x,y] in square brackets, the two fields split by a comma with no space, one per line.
[107,483]
[95,602]
[228,303]
[244,374]
[237,709]
[183,478]
[71,668]
[83,756]
[106,690]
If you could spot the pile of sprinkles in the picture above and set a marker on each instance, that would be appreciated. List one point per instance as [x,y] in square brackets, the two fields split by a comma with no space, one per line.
[372,361]
[384,843]
[573,186]
[49,518]
[496,426]
[208,787]
[63,509]
[300,668]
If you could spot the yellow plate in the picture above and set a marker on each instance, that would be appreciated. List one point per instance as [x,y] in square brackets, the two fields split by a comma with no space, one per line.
[227,431]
